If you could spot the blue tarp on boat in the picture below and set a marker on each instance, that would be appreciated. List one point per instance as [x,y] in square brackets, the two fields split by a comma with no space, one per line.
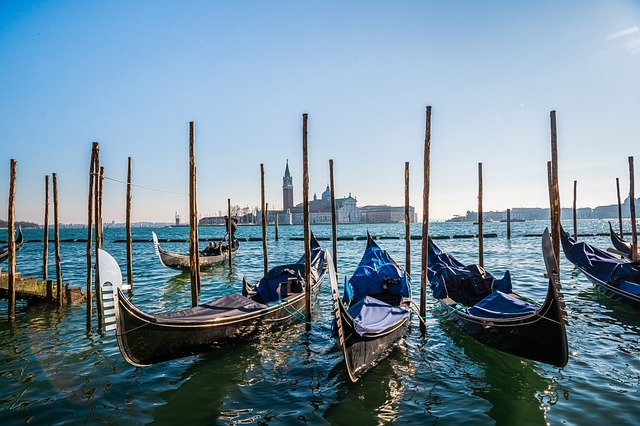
[272,287]
[372,316]
[464,284]
[375,273]
[602,265]
[500,305]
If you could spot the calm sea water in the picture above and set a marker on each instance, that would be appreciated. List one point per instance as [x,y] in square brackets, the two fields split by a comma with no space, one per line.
[53,372]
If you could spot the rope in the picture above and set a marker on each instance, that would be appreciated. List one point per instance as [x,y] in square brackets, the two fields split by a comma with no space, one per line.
[145,187]
[300,318]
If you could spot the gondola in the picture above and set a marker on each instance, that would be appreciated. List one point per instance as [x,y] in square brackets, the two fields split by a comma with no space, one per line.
[374,312]
[487,309]
[617,278]
[620,246]
[181,261]
[145,339]
[4,250]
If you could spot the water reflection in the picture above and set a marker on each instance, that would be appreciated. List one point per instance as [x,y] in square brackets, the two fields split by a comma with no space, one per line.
[376,397]
[513,387]
[202,387]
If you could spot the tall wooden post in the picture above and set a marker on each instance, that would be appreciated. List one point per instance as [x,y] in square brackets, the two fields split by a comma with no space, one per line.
[56,230]
[230,229]
[45,248]
[619,208]
[92,182]
[11,242]
[194,264]
[508,224]
[407,221]
[575,210]
[555,231]
[277,236]
[554,214]
[480,233]
[98,231]
[263,212]
[425,221]
[632,206]
[307,231]
[334,219]
[128,230]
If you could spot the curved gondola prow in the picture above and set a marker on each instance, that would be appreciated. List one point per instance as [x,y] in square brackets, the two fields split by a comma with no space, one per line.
[554,308]
[620,246]
[338,311]
[110,282]
[156,247]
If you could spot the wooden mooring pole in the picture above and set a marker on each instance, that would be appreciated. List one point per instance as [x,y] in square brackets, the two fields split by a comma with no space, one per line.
[194,265]
[45,248]
[554,215]
[425,221]
[407,221]
[555,231]
[334,219]
[277,237]
[128,230]
[11,242]
[92,171]
[307,231]
[56,230]
[231,236]
[508,224]
[575,210]
[480,233]
[632,206]
[619,208]
[263,213]
[98,231]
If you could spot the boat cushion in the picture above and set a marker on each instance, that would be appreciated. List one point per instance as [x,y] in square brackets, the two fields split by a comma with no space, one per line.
[377,274]
[372,316]
[500,305]
[227,306]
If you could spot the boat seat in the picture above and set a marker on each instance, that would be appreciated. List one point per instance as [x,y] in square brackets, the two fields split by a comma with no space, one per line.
[227,306]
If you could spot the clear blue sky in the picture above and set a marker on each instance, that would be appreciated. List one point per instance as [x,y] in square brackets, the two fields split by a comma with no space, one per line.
[131,75]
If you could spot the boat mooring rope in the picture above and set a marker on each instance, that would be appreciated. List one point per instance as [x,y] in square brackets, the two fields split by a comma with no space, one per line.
[301,316]
[144,187]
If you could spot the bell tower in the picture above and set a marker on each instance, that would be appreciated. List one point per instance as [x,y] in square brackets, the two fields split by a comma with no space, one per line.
[287,190]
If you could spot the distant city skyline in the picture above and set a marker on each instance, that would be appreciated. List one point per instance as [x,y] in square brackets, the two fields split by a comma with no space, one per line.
[132,75]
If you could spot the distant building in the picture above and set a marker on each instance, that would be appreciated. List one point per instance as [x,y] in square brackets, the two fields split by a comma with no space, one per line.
[347,210]
[539,213]
[385,214]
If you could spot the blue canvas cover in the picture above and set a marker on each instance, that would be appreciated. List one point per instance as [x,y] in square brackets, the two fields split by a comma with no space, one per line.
[372,316]
[271,287]
[602,265]
[375,271]
[444,269]
[500,305]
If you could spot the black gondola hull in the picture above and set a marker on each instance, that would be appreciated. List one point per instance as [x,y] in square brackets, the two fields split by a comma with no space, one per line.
[362,353]
[540,336]
[612,292]
[144,342]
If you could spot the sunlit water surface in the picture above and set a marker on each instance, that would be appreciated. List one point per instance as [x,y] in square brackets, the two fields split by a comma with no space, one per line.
[53,372]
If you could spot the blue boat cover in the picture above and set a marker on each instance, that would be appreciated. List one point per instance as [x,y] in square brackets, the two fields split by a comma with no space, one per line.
[372,316]
[271,287]
[602,265]
[500,305]
[446,271]
[376,272]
